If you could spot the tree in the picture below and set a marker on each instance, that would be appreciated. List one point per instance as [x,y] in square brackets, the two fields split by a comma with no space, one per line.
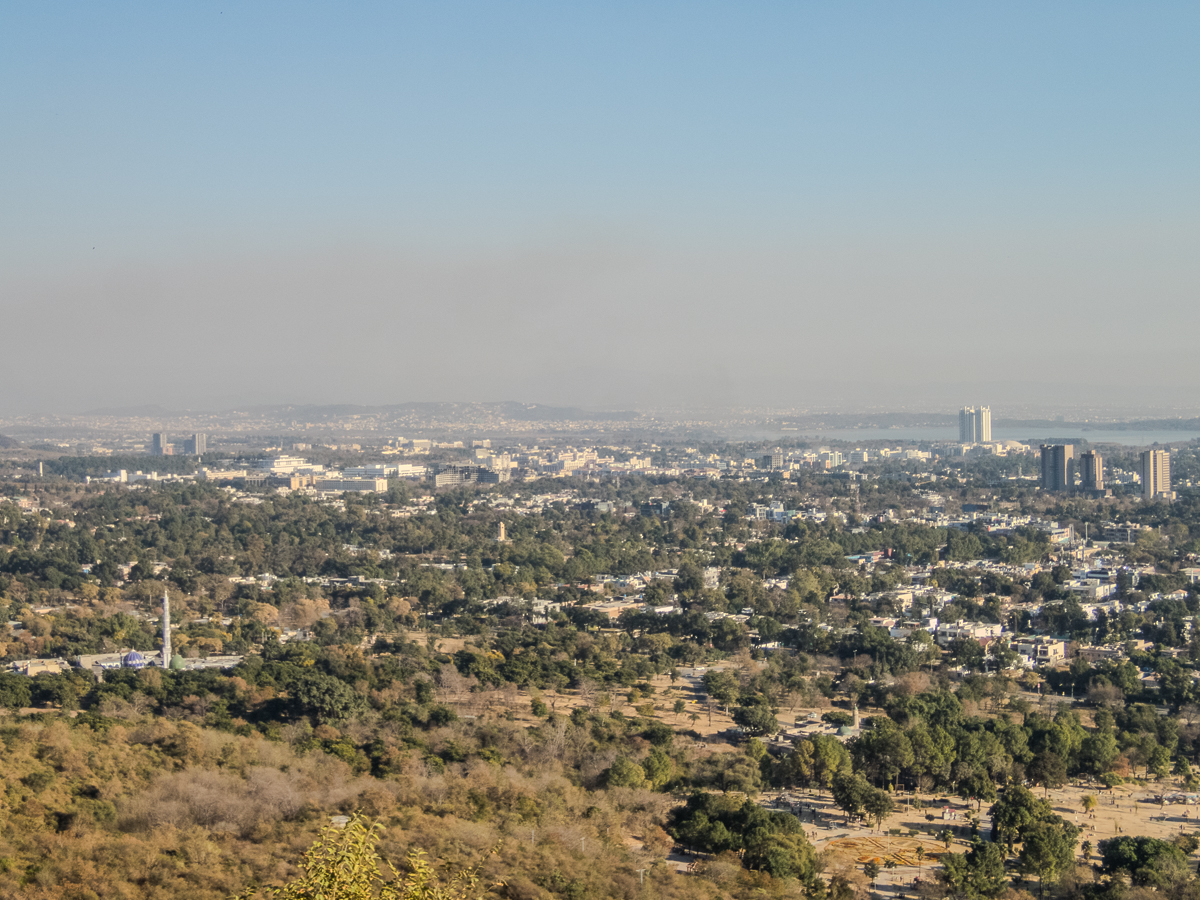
[883,752]
[1016,811]
[624,772]
[850,793]
[659,768]
[722,685]
[1089,803]
[1147,860]
[1048,770]
[14,690]
[977,786]
[757,718]
[773,842]
[344,863]
[829,758]
[871,870]
[1098,752]
[1047,850]
[325,698]
[878,805]
[976,875]
[1159,762]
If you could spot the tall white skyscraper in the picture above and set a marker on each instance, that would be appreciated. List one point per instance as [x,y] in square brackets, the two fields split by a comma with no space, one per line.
[1156,475]
[166,630]
[975,424]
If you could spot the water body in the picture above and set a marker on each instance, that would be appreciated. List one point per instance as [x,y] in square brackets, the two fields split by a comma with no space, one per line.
[1024,435]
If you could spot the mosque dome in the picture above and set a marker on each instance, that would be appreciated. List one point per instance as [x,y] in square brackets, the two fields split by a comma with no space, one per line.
[133,660]
[177,662]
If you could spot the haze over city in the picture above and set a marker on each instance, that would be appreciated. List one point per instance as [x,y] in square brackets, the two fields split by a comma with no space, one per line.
[624,206]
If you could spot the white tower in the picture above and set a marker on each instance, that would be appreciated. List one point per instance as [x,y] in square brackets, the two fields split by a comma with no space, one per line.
[166,637]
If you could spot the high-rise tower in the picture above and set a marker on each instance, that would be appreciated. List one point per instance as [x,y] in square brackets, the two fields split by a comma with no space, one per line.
[166,625]
[1091,472]
[1156,475]
[975,424]
[1058,467]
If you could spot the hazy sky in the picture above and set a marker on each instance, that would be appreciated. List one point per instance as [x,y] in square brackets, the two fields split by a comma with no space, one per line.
[632,204]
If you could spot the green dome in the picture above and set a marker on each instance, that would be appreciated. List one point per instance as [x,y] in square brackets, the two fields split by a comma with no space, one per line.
[177,662]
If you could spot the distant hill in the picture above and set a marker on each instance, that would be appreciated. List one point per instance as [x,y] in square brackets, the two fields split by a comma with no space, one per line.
[7,443]
[455,412]
[148,411]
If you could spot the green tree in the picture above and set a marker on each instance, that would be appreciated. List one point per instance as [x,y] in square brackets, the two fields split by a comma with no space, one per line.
[1147,860]
[722,685]
[878,805]
[14,690]
[1047,850]
[1098,752]
[850,793]
[1159,762]
[871,870]
[659,768]
[1016,811]
[757,718]
[883,752]
[1048,770]
[976,875]
[325,698]
[345,863]
[624,772]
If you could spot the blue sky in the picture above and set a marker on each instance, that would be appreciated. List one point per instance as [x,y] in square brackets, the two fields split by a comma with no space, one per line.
[807,203]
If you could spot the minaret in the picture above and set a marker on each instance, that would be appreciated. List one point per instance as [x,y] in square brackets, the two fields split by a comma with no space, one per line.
[500,535]
[166,617]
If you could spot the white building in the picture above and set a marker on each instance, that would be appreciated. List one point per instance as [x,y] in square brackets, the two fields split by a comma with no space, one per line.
[353,485]
[968,631]
[1041,651]
[975,425]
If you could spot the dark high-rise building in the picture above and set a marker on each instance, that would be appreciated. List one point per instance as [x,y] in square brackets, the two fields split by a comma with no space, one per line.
[1091,472]
[158,445]
[1058,467]
[196,445]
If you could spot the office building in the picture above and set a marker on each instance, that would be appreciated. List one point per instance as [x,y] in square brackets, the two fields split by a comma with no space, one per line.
[351,485]
[196,445]
[159,445]
[975,424]
[1156,475]
[772,460]
[1058,467]
[1091,472]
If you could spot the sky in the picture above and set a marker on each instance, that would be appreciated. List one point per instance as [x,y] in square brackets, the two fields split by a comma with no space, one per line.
[634,205]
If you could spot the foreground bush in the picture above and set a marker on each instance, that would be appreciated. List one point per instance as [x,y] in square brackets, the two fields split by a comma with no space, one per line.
[345,864]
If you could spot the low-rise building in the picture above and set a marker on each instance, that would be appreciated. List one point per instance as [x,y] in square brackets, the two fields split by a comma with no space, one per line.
[983,632]
[1041,651]
[352,485]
